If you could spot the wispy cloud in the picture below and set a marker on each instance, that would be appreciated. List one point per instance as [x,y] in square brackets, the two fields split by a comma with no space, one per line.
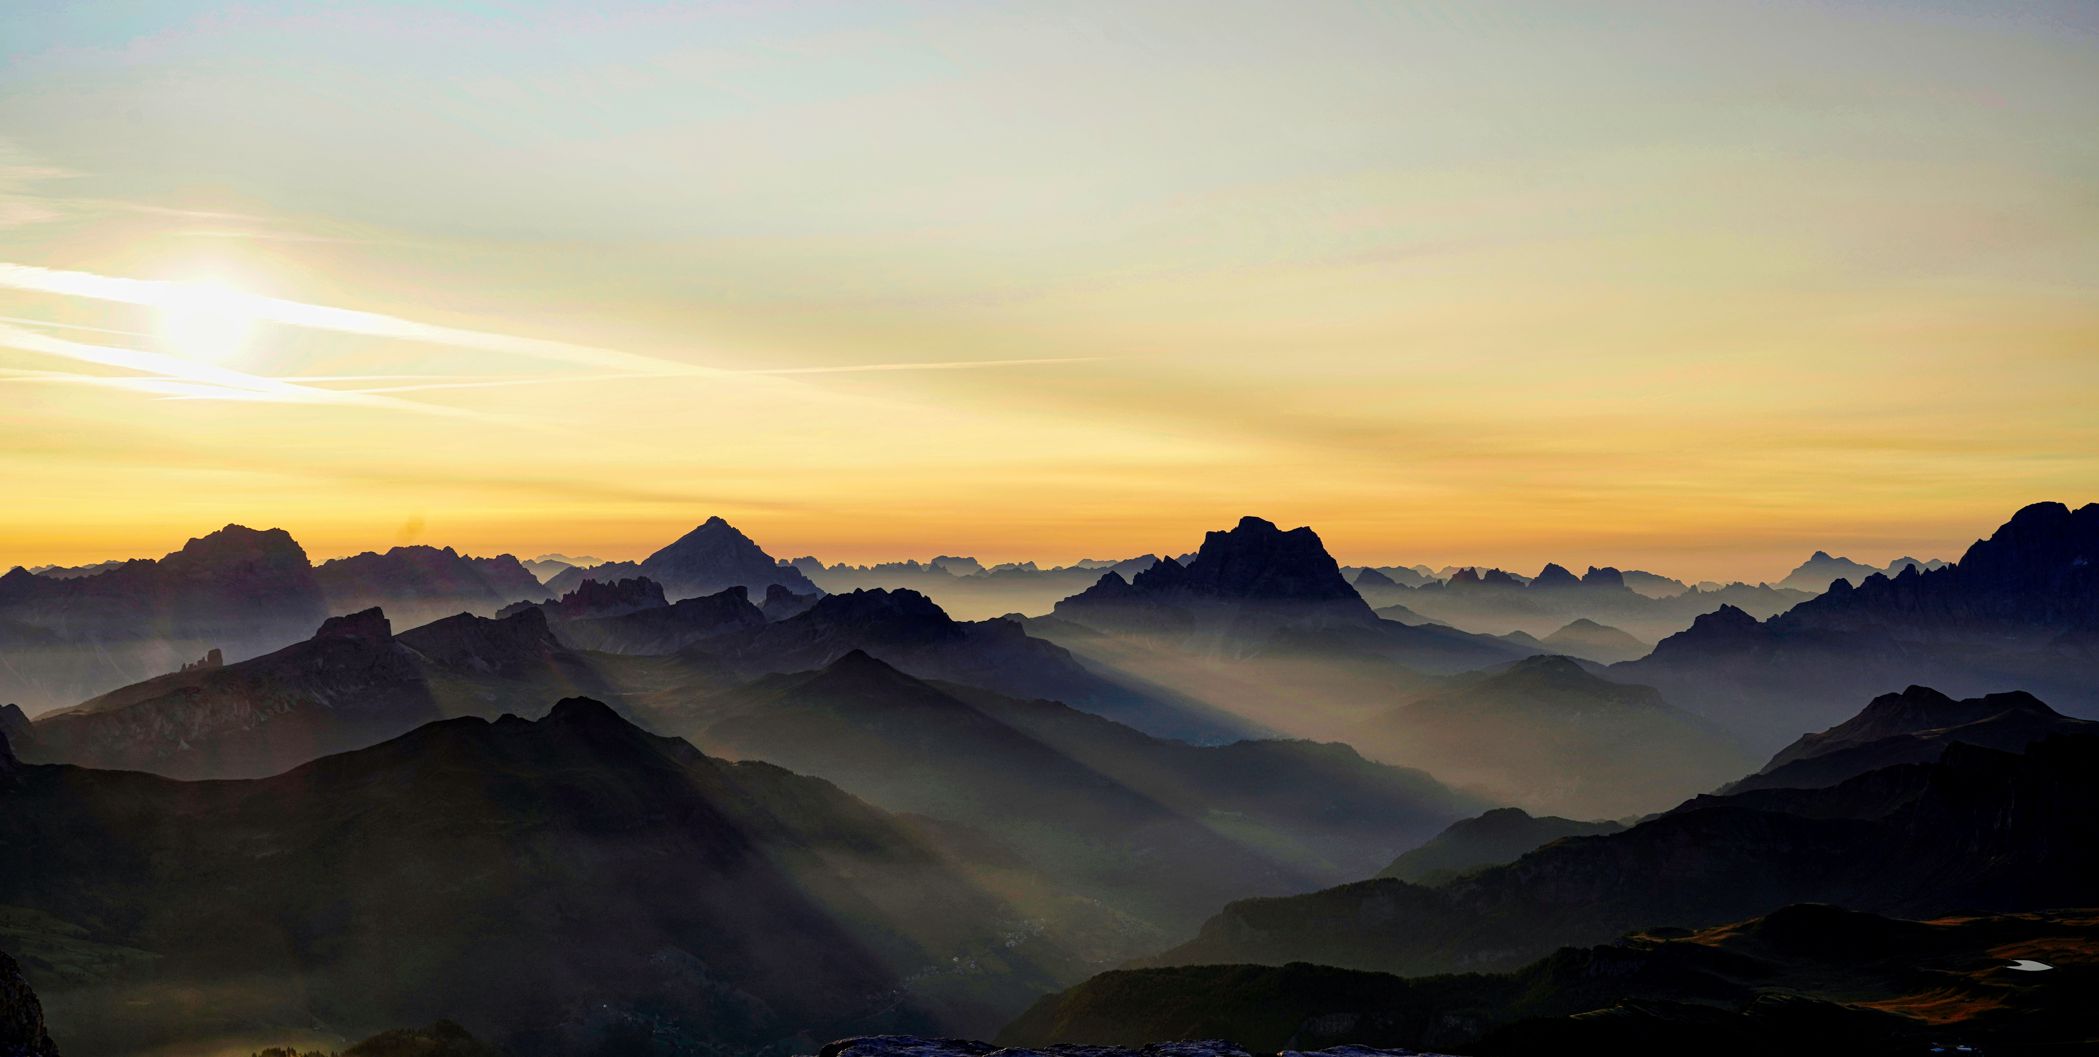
[178,377]
[182,378]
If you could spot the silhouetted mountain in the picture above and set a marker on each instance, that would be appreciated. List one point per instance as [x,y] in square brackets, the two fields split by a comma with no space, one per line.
[420,584]
[1821,568]
[597,598]
[1803,979]
[1243,585]
[966,588]
[663,629]
[716,556]
[905,629]
[551,885]
[22,1031]
[1591,641]
[781,603]
[237,589]
[547,566]
[1161,832]
[1547,735]
[1502,835]
[1653,585]
[1977,830]
[352,684]
[1914,726]
[1493,602]
[2020,609]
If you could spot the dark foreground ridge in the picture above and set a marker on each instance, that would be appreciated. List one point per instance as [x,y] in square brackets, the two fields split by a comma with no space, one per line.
[915,1046]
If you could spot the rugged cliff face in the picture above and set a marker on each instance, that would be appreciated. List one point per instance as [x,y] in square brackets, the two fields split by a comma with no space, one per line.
[22,1031]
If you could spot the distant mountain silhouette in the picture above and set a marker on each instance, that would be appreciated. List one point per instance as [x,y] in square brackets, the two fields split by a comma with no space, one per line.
[240,590]
[1243,584]
[535,880]
[1260,622]
[2020,609]
[1500,836]
[906,629]
[660,629]
[419,584]
[1159,831]
[1548,735]
[354,683]
[1821,569]
[1803,979]
[1914,726]
[1492,601]
[711,558]
[1591,641]
[781,603]
[1976,830]
[592,598]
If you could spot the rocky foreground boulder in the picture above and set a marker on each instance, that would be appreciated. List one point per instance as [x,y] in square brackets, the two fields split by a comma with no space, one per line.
[22,1031]
[915,1046]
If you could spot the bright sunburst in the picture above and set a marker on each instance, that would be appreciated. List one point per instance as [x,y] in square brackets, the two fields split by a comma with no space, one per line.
[206,321]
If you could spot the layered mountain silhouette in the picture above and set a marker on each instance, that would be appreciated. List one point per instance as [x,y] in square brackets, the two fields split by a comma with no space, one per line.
[711,558]
[1161,832]
[968,588]
[1502,835]
[553,886]
[416,585]
[2019,610]
[1914,726]
[1591,641]
[1492,601]
[906,629]
[352,684]
[1548,735]
[1821,569]
[1976,830]
[1806,978]
[1260,622]
[238,590]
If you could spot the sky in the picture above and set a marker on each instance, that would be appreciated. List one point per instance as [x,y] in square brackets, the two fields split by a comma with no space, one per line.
[1690,286]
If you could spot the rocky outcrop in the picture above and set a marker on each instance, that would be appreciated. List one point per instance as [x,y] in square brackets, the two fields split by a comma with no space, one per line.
[22,1032]
[916,1046]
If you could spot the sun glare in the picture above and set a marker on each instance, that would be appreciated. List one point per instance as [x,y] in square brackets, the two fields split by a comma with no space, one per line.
[206,321]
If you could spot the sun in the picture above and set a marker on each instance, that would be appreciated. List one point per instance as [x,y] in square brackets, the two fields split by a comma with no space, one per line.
[206,320]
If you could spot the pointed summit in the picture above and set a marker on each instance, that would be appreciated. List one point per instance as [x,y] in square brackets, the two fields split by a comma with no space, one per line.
[715,556]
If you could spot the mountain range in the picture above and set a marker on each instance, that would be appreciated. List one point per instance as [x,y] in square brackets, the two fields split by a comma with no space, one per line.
[1160,832]
[694,902]
[1921,838]
[2020,609]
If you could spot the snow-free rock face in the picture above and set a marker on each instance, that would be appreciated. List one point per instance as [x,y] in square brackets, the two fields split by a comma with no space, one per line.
[915,1046]
[22,1032]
